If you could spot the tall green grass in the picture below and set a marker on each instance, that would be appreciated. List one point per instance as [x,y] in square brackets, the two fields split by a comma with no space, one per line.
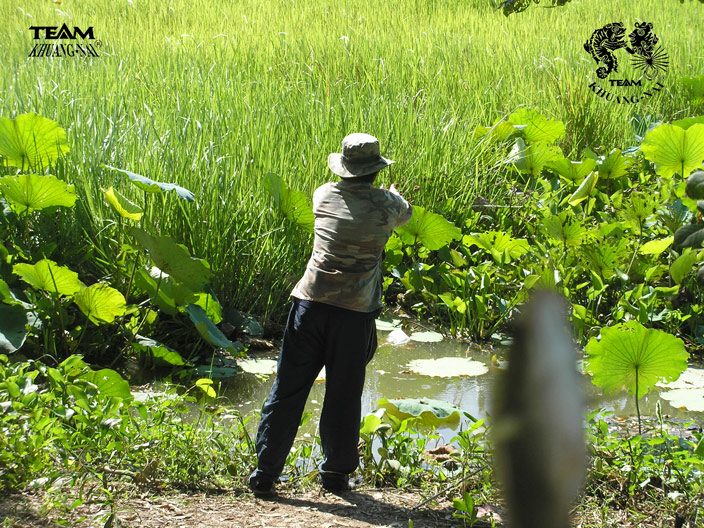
[213,95]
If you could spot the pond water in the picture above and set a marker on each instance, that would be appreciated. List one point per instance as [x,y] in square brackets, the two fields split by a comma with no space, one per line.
[388,377]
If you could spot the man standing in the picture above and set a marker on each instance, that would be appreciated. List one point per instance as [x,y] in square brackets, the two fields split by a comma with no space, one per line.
[331,322]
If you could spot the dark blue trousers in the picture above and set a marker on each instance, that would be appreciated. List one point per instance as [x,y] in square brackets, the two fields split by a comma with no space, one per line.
[317,334]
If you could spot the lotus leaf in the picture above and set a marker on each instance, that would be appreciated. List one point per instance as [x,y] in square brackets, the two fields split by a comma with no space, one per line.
[100,303]
[675,150]
[432,413]
[32,192]
[47,275]
[535,127]
[208,331]
[695,185]
[174,259]
[122,205]
[109,383]
[682,265]
[31,142]
[13,328]
[159,353]
[426,337]
[258,366]
[690,235]
[387,325]
[448,367]
[632,357]
[152,186]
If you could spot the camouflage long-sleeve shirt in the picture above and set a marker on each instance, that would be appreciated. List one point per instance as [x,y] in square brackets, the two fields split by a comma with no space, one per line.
[353,222]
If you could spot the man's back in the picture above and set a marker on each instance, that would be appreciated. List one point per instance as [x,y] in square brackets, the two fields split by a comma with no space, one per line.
[353,221]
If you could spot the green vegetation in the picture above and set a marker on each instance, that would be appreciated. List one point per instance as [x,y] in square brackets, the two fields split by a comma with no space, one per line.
[161,189]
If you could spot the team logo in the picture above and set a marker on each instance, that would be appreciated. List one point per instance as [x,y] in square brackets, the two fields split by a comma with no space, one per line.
[648,62]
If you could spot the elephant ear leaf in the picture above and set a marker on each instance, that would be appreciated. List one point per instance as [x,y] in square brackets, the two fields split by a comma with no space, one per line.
[31,142]
[675,150]
[631,357]
[430,229]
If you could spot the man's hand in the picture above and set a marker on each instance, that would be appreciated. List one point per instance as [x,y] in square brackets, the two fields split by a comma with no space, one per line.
[394,190]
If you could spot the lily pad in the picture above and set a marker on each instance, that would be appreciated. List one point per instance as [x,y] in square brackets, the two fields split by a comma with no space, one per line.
[692,378]
[448,367]
[690,399]
[432,413]
[426,337]
[265,367]
[388,325]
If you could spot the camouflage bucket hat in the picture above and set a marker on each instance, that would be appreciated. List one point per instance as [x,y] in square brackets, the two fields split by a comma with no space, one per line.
[360,156]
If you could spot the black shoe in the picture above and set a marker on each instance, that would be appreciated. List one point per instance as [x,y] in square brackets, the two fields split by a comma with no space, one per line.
[336,482]
[262,488]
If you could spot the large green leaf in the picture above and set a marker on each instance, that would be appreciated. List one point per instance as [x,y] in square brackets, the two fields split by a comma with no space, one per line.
[674,150]
[683,265]
[535,127]
[109,383]
[122,205]
[100,303]
[614,165]
[564,228]
[208,331]
[151,186]
[174,259]
[690,235]
[688,122]
[157,352]
[31,142]
[47,275]
[630,355]
[695,185]
[13,328]
[502,246]
[531,159]
[574,171]
[656,247]
[500,131]
[293,204]
[584,189]
[31,192]
[432,413]
[695,87]
[429,229]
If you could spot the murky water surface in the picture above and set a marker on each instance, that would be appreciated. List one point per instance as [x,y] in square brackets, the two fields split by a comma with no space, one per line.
[388,377]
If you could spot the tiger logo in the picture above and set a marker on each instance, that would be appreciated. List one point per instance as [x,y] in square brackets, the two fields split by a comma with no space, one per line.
[602,44]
